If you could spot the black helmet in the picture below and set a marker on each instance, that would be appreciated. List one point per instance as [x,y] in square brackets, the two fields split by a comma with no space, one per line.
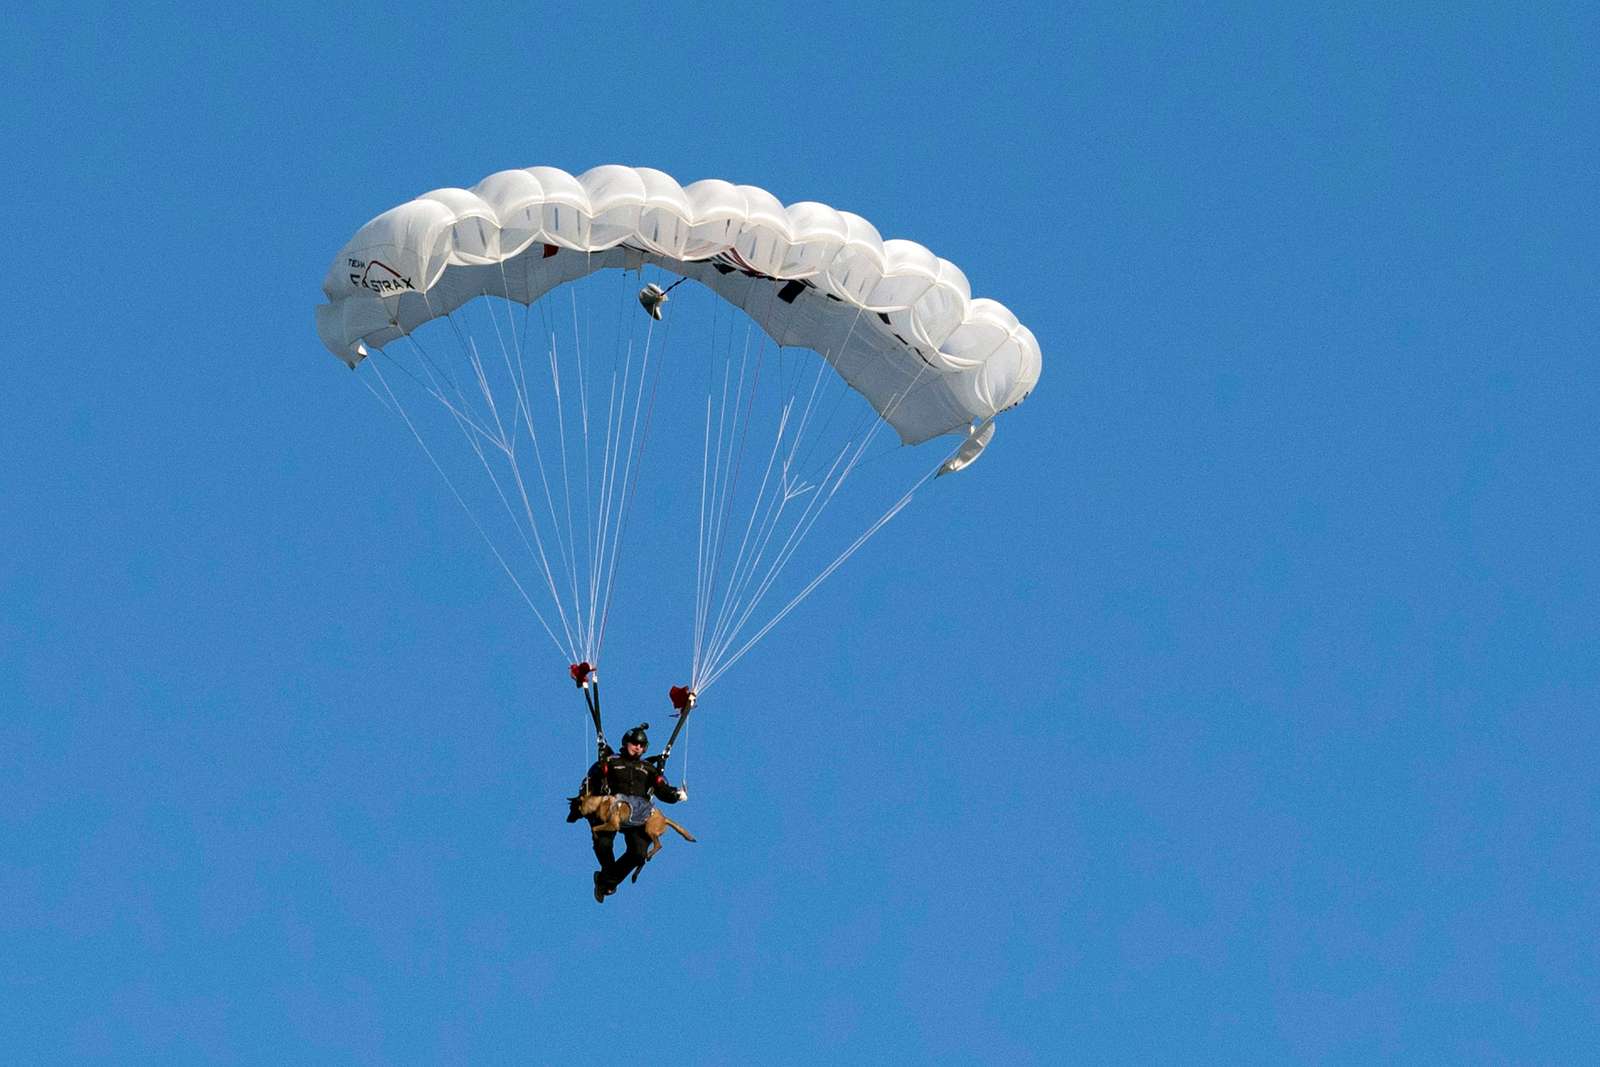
[637,736]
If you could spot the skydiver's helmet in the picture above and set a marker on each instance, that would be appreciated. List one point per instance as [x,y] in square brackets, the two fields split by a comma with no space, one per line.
[637,736]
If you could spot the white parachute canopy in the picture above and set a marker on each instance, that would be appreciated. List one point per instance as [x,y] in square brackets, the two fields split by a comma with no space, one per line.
[895,323]
[884,313]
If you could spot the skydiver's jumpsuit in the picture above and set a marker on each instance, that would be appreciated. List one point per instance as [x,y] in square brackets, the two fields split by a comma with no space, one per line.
[635,781]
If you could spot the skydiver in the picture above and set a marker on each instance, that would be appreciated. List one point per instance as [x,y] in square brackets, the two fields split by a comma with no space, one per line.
[628,776]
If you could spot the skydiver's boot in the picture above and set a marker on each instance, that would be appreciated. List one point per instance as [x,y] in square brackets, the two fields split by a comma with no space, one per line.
[600,890]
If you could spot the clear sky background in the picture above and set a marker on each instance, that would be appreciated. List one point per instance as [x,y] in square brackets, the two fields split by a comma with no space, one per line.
[1239,705]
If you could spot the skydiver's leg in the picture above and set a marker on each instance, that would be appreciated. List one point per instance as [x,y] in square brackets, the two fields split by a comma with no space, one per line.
[638,845]
[605,851]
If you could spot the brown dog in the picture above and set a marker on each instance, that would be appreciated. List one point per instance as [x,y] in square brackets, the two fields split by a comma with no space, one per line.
[607,814]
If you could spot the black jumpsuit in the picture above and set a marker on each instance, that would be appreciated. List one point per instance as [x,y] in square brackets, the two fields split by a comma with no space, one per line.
[620,775]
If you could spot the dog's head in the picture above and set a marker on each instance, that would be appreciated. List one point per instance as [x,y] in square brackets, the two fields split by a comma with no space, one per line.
[581,806]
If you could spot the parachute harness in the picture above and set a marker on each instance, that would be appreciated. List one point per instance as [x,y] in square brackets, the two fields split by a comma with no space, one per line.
[583,675]
[587,680]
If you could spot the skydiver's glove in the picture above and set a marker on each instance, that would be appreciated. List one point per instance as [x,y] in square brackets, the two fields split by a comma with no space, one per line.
[683,793]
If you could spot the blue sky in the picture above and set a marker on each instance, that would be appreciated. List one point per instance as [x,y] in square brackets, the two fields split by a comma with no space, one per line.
[1239,704]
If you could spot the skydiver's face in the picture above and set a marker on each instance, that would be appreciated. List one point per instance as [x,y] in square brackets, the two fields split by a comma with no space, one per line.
[633,749]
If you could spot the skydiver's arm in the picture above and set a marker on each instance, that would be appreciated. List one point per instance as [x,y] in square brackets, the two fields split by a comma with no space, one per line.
[665,793]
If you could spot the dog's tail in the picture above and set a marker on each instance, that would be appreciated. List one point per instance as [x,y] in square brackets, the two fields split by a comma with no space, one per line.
[687,836]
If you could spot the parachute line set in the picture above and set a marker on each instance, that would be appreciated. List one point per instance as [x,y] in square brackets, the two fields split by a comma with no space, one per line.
[434,287]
